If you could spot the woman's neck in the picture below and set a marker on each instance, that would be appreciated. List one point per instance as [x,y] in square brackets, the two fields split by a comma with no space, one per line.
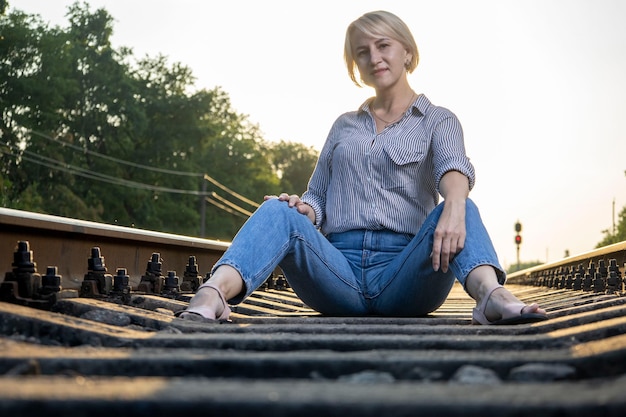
[390,112]
[391,102]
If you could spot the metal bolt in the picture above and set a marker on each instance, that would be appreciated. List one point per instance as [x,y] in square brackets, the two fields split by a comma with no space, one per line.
[51,282]
[96,262]
[23,258]
[171,282]
[191,279]
[154,265]
[121,280]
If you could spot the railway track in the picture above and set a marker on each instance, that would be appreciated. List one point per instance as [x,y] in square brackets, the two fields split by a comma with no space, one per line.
[80,338]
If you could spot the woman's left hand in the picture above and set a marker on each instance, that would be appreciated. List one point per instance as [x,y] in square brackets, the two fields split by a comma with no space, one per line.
[449,237]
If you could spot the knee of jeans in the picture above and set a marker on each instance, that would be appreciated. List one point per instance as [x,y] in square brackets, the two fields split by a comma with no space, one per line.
[276,210]
[470,205]
[273,204]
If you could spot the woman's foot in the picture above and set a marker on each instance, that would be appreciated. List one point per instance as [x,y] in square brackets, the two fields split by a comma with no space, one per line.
[499,306]
[207,304]
[496,304]
[210,301]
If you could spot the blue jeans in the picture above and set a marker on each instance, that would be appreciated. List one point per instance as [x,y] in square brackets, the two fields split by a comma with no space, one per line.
[359,272]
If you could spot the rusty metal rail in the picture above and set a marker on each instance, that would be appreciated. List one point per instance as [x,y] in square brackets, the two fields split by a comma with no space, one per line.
[600,270]
[67,243]
[81,340]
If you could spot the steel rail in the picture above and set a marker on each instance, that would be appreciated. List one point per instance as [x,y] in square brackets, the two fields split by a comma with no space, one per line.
[67,243]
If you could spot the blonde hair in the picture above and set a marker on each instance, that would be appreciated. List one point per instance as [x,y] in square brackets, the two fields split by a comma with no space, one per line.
[379,23]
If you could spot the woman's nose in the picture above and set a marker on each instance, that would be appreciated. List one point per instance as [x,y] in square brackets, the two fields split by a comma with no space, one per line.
[375,57]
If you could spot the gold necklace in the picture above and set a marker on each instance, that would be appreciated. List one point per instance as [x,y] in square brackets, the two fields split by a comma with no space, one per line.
[397,118]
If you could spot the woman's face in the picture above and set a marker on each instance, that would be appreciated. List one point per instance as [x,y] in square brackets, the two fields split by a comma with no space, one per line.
[380,60]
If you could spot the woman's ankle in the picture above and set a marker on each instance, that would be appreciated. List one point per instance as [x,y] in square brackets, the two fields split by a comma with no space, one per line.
[228,280]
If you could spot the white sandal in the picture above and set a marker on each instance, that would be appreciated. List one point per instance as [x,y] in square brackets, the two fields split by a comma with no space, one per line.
[478,313]
[204,313]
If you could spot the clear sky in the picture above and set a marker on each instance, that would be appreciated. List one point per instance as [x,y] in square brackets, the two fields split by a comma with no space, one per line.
[538,85]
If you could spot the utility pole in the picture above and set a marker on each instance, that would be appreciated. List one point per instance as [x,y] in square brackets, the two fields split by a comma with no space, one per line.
[614,229]
[203,208]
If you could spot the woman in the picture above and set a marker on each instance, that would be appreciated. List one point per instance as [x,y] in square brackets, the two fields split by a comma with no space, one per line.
[368,236]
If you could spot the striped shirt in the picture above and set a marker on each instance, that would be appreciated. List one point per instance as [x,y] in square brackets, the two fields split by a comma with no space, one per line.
[389,180]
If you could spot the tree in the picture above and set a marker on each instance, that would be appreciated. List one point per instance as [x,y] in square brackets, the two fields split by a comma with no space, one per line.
[36,79]
[618,233]
[294,164]
[235,155]
[523,265]
[88,132]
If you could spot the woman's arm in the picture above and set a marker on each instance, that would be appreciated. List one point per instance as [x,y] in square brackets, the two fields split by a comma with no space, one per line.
[449,236]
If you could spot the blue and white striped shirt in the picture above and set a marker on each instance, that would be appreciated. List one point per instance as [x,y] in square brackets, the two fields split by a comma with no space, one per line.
[390,180]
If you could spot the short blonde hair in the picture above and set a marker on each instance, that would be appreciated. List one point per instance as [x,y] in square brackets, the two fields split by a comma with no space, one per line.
[379,23]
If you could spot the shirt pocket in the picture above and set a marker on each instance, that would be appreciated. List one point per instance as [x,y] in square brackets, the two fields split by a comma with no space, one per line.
[402,165]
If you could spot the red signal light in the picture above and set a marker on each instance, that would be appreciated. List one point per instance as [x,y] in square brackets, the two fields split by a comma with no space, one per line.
[518,239]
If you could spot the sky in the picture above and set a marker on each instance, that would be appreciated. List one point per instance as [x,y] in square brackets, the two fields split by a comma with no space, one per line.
[538,86]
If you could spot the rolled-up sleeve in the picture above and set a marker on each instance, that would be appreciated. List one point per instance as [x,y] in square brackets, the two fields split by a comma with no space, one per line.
[449,150]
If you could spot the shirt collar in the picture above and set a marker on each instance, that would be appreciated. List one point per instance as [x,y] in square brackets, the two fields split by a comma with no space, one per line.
[421,103]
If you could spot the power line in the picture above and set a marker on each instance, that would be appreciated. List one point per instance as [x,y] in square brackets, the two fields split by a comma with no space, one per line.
[68,168]
[51,163]
[231,192]
[223,207]
[235,210]
[232,205]
[119,161]
[147,167]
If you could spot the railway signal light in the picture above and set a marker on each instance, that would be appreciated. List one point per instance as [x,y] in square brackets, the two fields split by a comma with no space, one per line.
[518,230]
[518,239]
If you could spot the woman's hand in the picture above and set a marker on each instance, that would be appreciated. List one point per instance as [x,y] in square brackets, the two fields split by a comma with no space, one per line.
[449,237]
[294,201]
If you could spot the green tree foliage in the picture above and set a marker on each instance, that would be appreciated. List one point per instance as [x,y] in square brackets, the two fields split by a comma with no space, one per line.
[87,132]
[293,162]
[522,266]
[619,235]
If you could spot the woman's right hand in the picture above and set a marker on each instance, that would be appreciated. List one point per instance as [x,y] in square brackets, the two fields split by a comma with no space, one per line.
[294,201]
